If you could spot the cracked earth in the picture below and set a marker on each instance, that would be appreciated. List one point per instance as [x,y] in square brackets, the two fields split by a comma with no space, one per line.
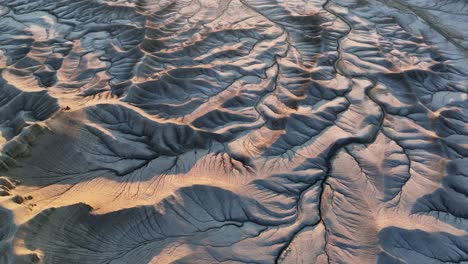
[233,131]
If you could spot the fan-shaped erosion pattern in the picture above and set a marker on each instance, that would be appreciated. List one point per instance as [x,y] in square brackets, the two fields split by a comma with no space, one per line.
[233,131]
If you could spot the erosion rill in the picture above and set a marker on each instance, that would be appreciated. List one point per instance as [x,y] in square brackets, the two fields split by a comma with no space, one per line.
[233,131]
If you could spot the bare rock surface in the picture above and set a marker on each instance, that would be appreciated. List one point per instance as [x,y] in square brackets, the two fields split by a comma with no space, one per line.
[233,131]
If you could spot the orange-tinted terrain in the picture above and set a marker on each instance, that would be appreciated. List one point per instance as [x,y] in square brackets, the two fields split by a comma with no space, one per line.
[233,131]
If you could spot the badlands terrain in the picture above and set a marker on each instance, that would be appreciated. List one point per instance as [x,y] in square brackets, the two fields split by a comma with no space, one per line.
[233,131]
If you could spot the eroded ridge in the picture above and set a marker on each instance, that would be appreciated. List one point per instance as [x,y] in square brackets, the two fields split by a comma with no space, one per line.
[233,131]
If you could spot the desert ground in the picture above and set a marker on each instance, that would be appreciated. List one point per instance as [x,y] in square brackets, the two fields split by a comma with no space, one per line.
[233,131]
